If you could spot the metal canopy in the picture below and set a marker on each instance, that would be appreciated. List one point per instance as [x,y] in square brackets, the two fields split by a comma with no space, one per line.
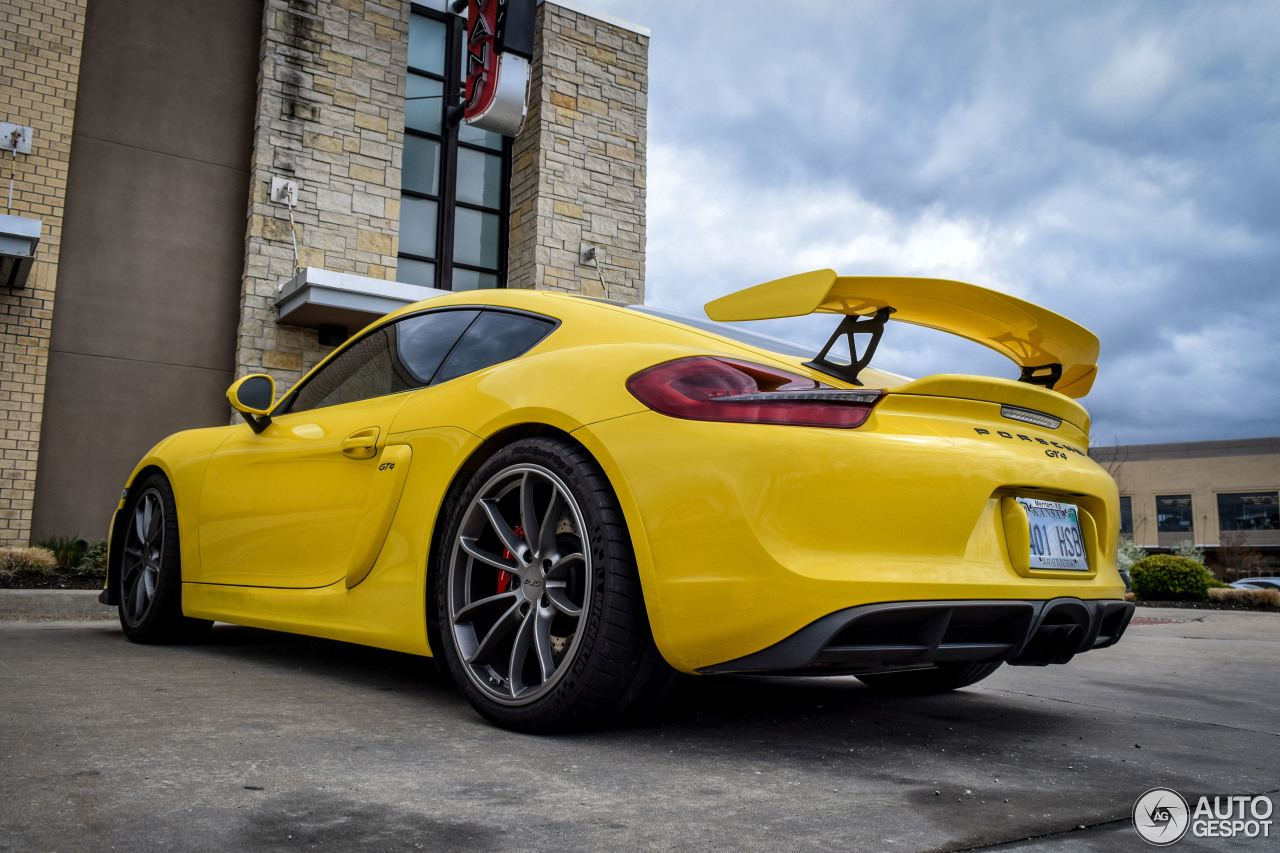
[19,238]
[318,297]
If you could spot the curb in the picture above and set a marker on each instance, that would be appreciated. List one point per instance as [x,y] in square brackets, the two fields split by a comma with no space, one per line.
[52,605]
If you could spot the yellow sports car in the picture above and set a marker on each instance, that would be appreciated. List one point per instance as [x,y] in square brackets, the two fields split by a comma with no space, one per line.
[567,501]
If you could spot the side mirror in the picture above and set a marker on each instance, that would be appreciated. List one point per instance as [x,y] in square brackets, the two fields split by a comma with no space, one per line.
[253,397]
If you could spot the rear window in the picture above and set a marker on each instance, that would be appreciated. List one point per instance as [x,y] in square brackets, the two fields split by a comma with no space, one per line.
[731,331]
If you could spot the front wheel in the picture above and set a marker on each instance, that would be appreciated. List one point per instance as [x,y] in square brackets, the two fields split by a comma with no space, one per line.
[541,617]
[150,576]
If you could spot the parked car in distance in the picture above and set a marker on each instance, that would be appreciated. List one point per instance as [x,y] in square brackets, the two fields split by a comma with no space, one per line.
[1257,583]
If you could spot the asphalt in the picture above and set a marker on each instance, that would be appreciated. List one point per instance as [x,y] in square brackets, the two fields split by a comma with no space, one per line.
[264,741]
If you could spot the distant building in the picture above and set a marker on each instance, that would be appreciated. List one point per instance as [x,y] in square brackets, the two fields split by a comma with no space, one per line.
[162,135]
[1198,492]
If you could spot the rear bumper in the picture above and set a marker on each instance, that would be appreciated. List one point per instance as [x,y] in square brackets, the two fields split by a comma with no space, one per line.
[915,633]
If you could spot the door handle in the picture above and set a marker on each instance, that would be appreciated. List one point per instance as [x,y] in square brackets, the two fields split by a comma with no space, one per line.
[361,444]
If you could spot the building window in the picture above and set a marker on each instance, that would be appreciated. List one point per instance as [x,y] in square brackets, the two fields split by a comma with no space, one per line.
[1126,516]
[454,178]
[1249,511]
[1173,514]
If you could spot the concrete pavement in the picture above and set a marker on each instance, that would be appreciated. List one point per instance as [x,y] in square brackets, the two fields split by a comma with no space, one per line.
[264,741]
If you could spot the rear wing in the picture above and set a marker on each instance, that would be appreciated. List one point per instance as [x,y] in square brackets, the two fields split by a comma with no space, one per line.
[1051,350]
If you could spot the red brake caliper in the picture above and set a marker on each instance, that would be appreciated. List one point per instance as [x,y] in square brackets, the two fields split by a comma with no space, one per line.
[505,579]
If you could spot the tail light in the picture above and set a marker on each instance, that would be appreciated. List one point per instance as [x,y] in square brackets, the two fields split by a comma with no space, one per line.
[722,389]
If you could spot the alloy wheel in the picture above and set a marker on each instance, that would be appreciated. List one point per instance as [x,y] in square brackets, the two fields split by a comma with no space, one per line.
[518,587]
[143,552]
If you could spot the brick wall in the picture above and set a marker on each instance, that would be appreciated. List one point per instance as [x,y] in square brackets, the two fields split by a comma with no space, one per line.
[578,171]
[331,116]
[40,43]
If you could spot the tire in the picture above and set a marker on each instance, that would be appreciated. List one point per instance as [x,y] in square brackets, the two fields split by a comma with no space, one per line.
[941,678]
[542,622]
[150,575]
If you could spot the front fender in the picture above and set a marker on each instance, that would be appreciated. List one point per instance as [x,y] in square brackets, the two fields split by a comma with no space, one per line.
[182,458]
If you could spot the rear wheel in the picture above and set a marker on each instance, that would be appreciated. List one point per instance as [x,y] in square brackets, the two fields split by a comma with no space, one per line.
[541,617]
[150,590]
[941,678]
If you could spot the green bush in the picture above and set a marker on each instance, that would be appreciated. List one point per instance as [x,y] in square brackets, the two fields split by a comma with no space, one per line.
[94,563]
[1167,577]
[67,550]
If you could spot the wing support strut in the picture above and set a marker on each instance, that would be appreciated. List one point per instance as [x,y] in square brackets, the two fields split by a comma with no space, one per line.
[853,324]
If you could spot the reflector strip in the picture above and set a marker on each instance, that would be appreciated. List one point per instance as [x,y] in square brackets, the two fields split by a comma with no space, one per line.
[1030,416]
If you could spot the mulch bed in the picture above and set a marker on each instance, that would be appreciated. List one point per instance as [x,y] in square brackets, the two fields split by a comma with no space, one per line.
[56,579]
[1207,605]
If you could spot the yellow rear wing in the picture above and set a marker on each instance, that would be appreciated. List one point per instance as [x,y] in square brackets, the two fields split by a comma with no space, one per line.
[1052,351]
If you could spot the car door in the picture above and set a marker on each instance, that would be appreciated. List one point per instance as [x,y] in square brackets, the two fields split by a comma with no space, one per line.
[286,507]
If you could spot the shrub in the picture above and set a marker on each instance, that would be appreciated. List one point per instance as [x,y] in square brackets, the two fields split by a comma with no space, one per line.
[67,550]
[1127,553]
[1190,550]
[94,564]
[1236,556]
[1247,597]
[34,561]
[1167,577]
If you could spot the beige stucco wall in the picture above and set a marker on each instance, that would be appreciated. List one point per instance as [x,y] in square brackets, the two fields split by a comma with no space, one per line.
[1203,477]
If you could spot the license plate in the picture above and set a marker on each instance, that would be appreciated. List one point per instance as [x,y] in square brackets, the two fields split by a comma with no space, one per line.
[1056,542]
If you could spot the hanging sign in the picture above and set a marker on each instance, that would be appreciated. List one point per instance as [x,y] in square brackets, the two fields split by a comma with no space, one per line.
[499,45]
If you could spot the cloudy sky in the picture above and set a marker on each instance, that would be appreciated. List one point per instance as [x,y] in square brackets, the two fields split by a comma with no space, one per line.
[1117,162]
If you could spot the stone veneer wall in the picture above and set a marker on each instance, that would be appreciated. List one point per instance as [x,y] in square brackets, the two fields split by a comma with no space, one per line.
[331,116]
[40,43]
[578,171]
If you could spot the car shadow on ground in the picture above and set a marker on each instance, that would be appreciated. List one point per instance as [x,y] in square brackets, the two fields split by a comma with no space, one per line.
[813,711]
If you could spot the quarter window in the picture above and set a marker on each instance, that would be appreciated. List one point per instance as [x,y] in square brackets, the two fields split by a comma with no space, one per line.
[1173,513]
[1249,511]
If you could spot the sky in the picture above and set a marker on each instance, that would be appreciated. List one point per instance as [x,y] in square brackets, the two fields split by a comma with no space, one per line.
[1116,162]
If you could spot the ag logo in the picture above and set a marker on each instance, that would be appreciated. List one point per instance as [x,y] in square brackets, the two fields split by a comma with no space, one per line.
[1161,816]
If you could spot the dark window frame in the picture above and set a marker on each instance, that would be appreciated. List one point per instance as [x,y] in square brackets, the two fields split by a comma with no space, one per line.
[1126,508]
[1222,526]
[1190,513]
[447,203]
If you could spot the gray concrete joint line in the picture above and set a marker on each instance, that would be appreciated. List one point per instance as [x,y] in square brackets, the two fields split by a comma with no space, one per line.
[1053,834]
[1134,713]
[1077,828]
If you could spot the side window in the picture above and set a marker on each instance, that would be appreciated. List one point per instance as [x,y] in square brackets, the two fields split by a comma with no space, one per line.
[389,360]
[495,337]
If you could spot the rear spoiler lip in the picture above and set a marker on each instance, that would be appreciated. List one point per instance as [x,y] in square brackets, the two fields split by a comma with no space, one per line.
[1000,392]
[1032,337]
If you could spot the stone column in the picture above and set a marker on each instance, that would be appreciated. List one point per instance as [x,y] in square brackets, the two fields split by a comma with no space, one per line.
[578,171]
[330,116]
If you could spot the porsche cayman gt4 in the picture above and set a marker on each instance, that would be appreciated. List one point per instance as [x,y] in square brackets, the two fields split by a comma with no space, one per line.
[568,501]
